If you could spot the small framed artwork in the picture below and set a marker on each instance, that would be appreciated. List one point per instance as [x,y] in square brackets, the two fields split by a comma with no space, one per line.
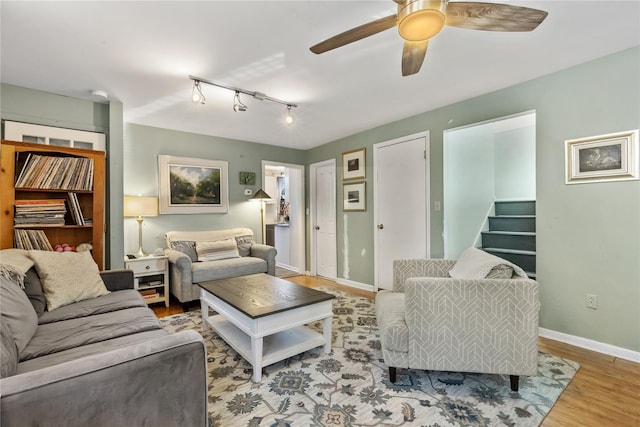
[612,157]
[355,197]
[353,164]
[247,178]
[192,186]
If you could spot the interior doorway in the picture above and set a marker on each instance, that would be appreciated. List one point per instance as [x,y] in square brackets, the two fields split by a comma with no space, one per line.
[483,163]
[284,182]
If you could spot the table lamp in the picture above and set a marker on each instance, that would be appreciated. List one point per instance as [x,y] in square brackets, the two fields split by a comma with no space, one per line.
[262,197]
[139,207]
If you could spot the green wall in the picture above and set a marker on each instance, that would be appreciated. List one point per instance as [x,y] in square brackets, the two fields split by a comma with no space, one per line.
[143,144]
[587,235]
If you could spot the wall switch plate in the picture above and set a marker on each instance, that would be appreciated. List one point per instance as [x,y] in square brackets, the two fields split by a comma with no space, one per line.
[247,192]
[436,205]
[591,301]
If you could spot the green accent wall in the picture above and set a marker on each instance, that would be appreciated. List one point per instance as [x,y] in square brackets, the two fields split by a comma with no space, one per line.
[588,235]
[143,144]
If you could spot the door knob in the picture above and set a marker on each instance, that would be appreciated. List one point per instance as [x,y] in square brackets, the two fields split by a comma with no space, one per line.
[380,226]
[317,227]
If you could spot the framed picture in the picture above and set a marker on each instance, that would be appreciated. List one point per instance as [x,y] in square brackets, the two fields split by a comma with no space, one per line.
[247,178]
[192,186]
[354,197]
[353,164]
[612,157]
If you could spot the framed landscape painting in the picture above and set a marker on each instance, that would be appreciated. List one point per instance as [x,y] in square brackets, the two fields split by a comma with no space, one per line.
[353,164]
[192,186]
[612,157]
[354,197]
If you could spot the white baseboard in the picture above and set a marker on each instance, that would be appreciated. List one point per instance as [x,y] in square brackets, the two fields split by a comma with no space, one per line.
[353,284]
[286,266]
[592,345]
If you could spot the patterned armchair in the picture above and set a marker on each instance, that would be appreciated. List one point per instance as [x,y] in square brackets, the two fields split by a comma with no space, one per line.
[433,322]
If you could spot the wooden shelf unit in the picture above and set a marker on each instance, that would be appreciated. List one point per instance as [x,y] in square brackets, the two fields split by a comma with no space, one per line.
[91,202]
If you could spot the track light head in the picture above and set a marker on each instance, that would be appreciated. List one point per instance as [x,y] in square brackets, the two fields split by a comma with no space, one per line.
[196,95]
[289,118]
[237,104]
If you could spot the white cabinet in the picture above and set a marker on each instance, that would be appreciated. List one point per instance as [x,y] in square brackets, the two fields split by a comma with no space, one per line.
[282,245]
[151,278]
[271,188]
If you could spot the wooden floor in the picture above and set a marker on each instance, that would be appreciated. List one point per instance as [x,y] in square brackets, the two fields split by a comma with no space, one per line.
[604,392]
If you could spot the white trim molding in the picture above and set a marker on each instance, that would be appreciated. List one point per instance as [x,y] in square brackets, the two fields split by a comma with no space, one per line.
[592,345]
[355,284]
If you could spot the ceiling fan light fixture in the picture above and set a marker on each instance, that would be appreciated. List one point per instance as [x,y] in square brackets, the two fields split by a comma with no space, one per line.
[420,20]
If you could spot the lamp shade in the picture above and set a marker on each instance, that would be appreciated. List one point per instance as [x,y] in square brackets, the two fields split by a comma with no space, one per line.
[260,195]
[140,206]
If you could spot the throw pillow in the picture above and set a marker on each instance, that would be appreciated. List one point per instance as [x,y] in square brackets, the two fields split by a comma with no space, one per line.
[474,263]
[187,247]
[244,244]
[17,313]
[221,249]
[501,271]
[68,277]
[33,289]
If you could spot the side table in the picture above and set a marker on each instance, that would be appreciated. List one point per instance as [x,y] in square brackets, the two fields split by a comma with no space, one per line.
[151,277]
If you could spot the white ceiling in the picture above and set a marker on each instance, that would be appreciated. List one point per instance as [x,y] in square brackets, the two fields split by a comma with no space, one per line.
[141,53]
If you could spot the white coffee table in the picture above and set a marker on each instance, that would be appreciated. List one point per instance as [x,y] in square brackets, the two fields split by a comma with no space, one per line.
[262,317]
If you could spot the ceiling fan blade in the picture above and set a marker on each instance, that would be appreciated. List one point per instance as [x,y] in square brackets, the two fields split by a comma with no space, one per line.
[493,16]
[355,34]
[412,56]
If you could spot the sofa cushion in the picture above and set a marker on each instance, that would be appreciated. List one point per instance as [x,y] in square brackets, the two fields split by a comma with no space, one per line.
[187,247]
[244,244]
[67,277]
[17,313]
[206,235]
[222,269]
[8,352]
[114,301]
[221,249]
[67,334]
[88,350]
[390,315]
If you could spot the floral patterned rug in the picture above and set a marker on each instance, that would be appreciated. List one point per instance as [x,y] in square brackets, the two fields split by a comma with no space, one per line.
[350,386]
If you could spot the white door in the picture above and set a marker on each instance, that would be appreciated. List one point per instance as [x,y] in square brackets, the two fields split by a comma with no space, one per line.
[401,208]
[323,223]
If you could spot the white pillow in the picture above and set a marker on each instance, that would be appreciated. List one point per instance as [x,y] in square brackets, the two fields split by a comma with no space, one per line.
[477,264]
[220,249]
[67,277]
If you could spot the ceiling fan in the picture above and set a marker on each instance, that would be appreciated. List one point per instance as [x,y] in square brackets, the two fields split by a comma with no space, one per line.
[419,20]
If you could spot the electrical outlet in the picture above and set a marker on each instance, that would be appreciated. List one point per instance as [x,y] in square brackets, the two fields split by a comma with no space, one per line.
[591,301]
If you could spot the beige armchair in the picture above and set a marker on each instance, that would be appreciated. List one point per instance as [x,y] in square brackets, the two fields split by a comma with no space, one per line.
[434,322]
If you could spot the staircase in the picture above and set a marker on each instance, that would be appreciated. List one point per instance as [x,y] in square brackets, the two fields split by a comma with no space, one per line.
[512,234]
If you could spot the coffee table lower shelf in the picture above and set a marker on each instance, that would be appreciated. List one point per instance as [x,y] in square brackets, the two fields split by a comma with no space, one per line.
[275,347]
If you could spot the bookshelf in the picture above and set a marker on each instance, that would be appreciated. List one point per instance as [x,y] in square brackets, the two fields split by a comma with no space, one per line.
[71,175]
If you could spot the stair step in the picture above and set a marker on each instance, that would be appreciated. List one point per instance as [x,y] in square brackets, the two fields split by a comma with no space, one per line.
[531,275]
[510,251]
[512,223]
[519,207]
[510,233]
[509,240]
[523,259]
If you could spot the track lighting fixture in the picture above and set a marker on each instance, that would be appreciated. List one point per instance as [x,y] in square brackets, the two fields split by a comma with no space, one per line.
[198,96]
[289,118]
[237,104]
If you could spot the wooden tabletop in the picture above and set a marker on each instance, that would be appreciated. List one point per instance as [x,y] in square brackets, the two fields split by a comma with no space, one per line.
[259,295]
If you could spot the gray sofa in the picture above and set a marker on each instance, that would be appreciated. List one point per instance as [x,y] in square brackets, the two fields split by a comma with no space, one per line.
[103,361]
[186,271]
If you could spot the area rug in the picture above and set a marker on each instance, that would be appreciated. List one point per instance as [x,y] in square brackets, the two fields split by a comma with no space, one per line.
[350,386]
